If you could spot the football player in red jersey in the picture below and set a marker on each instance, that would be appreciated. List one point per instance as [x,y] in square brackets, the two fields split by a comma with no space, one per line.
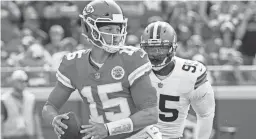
[112,79]
[179,83]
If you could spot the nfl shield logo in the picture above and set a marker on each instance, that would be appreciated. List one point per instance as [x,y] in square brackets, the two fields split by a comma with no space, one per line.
[160,85]
[97,75]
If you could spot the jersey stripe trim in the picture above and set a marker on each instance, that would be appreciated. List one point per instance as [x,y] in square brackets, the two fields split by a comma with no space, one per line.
[201,79]
[139,72]
[63,79]
[201,76]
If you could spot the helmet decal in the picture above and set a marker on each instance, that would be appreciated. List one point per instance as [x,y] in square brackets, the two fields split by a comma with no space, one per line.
[88,10]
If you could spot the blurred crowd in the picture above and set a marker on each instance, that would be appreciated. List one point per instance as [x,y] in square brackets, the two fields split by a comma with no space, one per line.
[40,33]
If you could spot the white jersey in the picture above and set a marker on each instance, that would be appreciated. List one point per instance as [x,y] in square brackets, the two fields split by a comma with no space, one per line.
[175,94]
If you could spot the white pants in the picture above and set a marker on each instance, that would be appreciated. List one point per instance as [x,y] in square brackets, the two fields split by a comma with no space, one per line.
[149,132]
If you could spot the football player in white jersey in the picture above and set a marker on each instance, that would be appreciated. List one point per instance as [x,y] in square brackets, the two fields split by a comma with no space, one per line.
[179,82]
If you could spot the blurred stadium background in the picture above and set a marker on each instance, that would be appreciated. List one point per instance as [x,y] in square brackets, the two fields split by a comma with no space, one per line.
[36,34]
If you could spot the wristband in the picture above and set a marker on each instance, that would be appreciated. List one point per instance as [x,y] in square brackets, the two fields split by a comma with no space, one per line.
[120,127]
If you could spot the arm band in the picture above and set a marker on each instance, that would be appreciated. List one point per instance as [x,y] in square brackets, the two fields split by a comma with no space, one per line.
[120,127]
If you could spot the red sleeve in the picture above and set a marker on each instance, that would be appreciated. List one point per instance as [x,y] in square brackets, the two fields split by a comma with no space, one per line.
[143,93]
[59,96]
[65,71]
[137,63]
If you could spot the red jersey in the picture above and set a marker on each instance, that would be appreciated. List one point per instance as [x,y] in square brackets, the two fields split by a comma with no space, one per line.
[107,90]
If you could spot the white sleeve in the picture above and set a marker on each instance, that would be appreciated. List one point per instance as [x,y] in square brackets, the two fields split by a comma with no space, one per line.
[203,102]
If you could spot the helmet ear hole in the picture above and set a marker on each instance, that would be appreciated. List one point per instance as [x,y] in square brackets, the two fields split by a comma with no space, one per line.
[164,30]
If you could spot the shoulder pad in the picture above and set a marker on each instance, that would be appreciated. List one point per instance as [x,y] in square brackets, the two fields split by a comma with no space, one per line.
[201,75]
[197,71]
[136,61]
[192,73]
[131,51]
[65,72]
[69,58]
[77,54]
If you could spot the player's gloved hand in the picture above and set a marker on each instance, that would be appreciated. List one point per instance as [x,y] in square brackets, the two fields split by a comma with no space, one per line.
[58,125]
[94,130]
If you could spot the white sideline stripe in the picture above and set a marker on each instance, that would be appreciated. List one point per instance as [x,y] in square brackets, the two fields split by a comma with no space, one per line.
[221,92]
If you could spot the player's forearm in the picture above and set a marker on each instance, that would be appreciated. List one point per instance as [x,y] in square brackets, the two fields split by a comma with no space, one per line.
[204,126]
[144,118]
[137,121]
[49,112]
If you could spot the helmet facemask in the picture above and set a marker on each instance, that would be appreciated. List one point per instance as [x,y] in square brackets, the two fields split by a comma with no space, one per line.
[160,53]
[95,36]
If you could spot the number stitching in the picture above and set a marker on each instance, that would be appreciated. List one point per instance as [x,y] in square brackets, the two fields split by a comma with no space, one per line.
[103,91]
[79,54]
[162,101]
[188,66]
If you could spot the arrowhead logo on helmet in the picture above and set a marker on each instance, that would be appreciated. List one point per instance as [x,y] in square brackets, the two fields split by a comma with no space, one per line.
[88,10]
